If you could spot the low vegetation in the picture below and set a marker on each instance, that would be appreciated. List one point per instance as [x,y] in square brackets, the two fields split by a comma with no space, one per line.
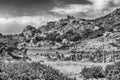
[111,72]
[29,71]
[93,72]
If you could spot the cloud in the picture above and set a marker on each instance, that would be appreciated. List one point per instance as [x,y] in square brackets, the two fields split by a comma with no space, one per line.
[116,2]
[97,6]
[71,9]
[16,24]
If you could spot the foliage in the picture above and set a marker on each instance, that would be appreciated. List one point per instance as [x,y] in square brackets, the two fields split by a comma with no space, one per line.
[98,72]
[93,72]
[87,73]
[113,71]
[52,36]
[75,37]
[29,71]
[10,40]
[39,38]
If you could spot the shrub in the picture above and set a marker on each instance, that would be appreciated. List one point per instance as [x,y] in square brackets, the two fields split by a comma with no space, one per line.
[113,71]
[93,72]
[109,68]
[29,71]
[98,72]
[52,36]
[87,73]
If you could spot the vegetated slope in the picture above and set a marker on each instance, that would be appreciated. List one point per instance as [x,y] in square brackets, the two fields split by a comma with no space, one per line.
[100,25]
[11,40]
[103,30]
[86,28]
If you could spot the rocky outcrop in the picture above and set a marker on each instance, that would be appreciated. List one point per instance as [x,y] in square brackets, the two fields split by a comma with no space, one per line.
[38,32]
[94,27]
[29,32]
[85,28]
[77,29]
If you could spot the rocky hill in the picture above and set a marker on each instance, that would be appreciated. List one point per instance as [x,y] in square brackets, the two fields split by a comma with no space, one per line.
[71,28]
[103,32]
[79,25]
[82,27]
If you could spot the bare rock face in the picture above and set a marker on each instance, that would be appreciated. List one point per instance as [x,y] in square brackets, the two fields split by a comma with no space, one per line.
[29,32]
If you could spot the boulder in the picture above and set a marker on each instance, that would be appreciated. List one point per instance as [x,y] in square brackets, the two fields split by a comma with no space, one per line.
[29,32]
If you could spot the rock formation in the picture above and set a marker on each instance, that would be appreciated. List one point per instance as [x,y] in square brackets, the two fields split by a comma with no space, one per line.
[29,32]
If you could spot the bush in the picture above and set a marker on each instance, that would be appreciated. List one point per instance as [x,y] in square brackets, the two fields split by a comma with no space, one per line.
[75,37]
[98,72]
[52,36]
[87,73]
[109,68]
[113,71]
[93,72]
[29,71]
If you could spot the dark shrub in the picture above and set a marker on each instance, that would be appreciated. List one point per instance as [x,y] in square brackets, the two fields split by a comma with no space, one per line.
[113,71]
[86,33]
[109,68]
[87,73]
[39,38]
[93,72]
[75,37]
[98,72]
[52,36]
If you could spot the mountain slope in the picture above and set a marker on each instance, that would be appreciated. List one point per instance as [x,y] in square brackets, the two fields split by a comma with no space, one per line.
[98,25]
[70,30]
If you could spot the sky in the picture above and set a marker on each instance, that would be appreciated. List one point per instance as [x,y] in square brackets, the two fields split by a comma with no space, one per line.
[15,15]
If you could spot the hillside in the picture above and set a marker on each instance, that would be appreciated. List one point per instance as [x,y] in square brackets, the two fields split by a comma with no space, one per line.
[73,29]
[68,45]
[80,25]
[100,34]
